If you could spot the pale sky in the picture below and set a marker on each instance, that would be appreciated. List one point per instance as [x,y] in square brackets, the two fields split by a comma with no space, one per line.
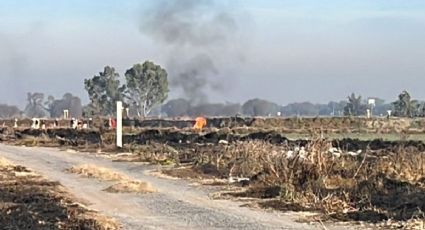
[283,51]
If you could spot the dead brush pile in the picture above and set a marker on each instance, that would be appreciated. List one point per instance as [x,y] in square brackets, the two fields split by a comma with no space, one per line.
[155,153]
[370,186]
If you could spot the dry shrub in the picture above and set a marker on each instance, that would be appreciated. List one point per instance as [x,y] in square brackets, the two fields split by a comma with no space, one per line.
[100,173]
[109,137]
[94,221]
[389,182]
[156,153]
[131,187]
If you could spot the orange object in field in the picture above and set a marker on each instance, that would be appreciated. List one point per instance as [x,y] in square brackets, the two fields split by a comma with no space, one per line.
[200,123]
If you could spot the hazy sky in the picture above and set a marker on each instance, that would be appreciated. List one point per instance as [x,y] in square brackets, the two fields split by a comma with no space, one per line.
[284,51]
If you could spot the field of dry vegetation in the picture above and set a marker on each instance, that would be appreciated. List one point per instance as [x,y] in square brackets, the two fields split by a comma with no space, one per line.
[381,186]
[373,181]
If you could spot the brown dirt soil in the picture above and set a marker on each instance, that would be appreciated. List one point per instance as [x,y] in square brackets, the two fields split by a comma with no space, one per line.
[28,201]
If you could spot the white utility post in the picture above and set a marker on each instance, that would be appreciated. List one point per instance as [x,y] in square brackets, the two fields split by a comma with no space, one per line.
[372,103]
[119,124]
[65,114]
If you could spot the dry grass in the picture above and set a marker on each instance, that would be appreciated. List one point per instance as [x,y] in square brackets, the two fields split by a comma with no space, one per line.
[131,187]
[125,185]
[33,141]
[4,162]
[28,201]
[379,185]
[100,173]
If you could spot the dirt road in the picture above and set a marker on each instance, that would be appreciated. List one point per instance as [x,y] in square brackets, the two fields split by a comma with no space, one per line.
[176,205]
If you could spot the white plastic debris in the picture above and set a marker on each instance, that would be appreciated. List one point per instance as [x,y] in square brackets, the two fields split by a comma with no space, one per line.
[223,142]
[290,154]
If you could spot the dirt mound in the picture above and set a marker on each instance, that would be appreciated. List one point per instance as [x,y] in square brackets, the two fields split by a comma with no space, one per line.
[131,187]
[100,173]
[31,202]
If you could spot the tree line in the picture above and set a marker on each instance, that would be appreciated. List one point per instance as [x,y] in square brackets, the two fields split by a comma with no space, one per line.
[146,89]
[354,105]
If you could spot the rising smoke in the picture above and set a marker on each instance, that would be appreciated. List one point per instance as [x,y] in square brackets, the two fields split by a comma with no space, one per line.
[13,63]
[195,33]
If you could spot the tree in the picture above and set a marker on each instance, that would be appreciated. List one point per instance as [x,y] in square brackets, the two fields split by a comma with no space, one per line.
[68,101]
[147,86]
[333,108]
[230,109]
[88,111]
[9,111]
[176,107]
[34,107]
[355,106]
[405,106]
[259,107]
[301,109]
[206,109]
[104,91]
[381,108]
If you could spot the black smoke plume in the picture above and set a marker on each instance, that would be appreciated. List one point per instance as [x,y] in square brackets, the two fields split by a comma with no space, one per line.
[195,33]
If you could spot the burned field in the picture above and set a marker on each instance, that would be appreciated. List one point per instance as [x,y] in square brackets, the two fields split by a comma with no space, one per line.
[344,180]
[373,181]
[28,201]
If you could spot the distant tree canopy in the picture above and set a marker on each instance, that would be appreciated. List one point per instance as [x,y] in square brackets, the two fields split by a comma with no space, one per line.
[406,107]
[56,106]
[182,107]
[304,108]
[9,111]
[381,108]
[259,107]
[215,109]
[355,106]
[176,107]
[34,107]
[231,109]
[104,91]
[147,86]
[38,107]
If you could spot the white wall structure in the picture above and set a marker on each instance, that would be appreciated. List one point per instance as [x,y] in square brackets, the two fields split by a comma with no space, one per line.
[35,123]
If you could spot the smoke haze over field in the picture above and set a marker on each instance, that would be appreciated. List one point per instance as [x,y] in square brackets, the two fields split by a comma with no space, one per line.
[280,50]
[196,34]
